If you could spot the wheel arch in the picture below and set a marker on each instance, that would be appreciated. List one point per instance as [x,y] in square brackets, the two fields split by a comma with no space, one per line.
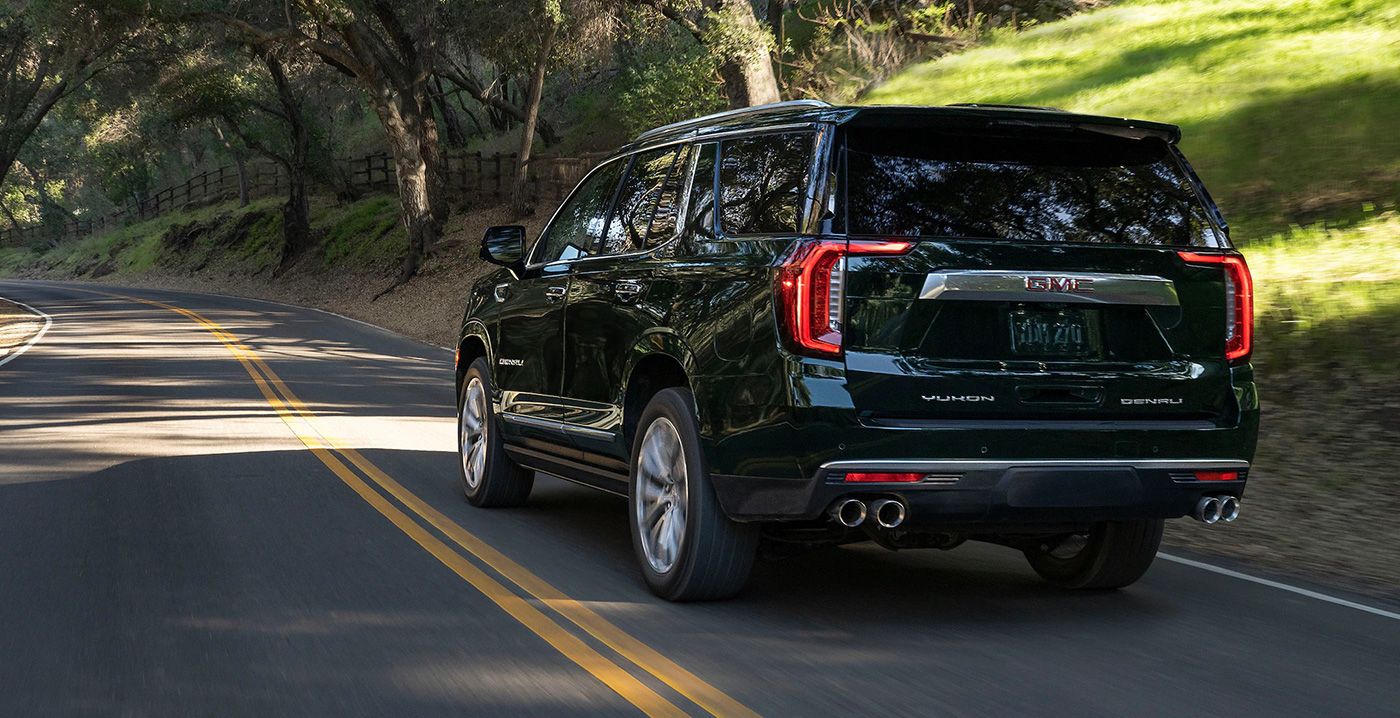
[660,360]
[475,342]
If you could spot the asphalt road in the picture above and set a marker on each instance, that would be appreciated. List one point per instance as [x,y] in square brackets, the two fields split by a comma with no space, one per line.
[253,510]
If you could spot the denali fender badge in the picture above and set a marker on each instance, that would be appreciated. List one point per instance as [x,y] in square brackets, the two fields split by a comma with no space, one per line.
[965,397]
[1131,402]
[511,362]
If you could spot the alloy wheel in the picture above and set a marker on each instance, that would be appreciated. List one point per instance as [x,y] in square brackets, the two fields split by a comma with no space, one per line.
[472,427]
[662,489]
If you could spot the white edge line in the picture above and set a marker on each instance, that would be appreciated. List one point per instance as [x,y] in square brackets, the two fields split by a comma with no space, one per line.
[1282,586]
[48,322]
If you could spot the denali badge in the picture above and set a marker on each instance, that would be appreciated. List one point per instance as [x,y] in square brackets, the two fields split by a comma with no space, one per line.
[511,362]
[1130,402]
[1078,285]
[966,397]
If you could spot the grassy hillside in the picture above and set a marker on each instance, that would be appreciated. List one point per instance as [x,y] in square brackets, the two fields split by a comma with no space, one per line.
[1288,106]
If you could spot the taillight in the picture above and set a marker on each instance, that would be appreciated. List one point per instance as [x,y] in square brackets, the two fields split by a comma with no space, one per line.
[809,291]
[1239,302]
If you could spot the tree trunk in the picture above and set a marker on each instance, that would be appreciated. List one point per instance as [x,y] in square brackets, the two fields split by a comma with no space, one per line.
[527,128]
[452,124]
[411,173]
[240,163]
[296,212]
[748,76]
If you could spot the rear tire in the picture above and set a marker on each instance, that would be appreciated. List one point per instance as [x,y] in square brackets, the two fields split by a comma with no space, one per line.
[689,550]
[489,478]
[1111,555]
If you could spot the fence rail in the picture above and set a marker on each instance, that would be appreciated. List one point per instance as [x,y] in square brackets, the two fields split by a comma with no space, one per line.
[471,175]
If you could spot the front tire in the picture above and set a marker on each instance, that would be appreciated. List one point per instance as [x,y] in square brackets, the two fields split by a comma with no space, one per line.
[1113,554]
[489,478]
[689,550]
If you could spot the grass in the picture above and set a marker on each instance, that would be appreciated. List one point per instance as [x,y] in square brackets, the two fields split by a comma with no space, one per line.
[1287,106]
[361,233]
[365,232]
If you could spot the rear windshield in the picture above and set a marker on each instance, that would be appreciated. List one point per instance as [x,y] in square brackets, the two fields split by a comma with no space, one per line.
[1072,186]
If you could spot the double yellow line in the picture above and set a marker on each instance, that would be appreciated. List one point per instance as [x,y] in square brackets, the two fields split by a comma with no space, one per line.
[334,454]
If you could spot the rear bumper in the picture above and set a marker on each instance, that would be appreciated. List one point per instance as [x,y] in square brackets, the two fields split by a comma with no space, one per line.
[989,493]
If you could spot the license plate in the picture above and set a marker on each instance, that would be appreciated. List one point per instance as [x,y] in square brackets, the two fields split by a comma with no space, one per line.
[1048,333]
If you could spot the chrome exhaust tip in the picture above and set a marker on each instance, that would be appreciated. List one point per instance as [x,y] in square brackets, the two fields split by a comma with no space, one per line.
[848,512]
[888,513]
[1207,510]
[1229,508]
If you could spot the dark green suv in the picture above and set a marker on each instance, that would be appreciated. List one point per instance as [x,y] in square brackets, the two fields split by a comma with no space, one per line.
[802,325]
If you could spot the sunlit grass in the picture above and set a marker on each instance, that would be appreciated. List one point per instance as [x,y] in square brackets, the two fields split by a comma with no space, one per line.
[1328,294]
[1288,106]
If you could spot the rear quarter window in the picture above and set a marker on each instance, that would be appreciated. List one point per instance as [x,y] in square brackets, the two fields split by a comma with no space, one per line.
[763,183]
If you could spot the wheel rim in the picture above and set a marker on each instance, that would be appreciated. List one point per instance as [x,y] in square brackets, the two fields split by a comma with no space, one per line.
[472,427]
[661,495]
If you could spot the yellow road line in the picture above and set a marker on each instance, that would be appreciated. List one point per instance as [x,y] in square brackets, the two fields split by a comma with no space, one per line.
[627,686]
[684,682]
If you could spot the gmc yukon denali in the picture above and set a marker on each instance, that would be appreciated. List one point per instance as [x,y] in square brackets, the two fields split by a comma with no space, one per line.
[802,325]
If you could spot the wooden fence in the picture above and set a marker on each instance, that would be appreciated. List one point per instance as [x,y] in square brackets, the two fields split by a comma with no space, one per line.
[469,175]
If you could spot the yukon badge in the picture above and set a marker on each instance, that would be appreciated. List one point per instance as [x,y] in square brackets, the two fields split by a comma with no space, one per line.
[964,397]
[1077,285]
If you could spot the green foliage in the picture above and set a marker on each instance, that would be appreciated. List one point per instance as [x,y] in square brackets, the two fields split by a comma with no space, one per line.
[1287,106]
[1329,293]
[368,231]
[664,86]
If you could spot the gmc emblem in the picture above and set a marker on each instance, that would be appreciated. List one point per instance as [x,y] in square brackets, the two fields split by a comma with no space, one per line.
[1059,284]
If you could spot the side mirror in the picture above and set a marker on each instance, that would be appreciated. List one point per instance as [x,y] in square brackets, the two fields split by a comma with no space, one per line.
[505,245]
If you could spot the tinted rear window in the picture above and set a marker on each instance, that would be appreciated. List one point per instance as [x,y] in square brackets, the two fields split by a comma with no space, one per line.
[763,183]
[1041,187]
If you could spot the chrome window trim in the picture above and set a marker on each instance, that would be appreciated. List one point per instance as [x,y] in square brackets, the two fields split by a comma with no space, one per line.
[1001,286]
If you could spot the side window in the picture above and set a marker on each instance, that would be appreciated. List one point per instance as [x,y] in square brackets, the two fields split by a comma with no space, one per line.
[763,183]
[668,205]
[640,190]
[579,224]
[701,221]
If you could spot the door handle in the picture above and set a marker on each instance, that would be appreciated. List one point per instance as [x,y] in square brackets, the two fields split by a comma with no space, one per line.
[502,291]
[627,290]
[554,294]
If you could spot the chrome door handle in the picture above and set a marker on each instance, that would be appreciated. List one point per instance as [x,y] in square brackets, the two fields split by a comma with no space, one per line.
[554,294]
[627,289]
[502,291]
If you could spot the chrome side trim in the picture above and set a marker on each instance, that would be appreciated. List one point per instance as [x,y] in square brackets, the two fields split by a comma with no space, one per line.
[1094,288]
[559,427]
[951,466]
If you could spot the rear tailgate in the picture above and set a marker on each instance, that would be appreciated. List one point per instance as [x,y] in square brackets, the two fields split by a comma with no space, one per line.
[989,329]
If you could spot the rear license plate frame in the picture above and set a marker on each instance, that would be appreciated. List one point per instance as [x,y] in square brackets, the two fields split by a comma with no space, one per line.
[1065,333]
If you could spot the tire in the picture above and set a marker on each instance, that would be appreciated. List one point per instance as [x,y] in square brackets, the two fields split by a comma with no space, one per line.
[689,550]
[489,478]
[1112,555]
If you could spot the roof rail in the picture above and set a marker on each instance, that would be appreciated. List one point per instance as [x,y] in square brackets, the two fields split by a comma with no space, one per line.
[1004,107]
[729,113]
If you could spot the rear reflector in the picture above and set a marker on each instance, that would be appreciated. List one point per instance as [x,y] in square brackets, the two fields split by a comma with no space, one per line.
[884,477]
[1217,475]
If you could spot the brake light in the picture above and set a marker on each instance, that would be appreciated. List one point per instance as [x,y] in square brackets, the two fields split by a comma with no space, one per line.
[809,291]
[1239,302]
[1217,475]
[883,477]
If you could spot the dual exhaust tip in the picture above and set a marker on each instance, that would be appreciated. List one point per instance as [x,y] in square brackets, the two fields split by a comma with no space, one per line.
[1211,509]
[886,513]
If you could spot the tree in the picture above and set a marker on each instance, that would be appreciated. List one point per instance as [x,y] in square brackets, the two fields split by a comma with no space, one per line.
[49,49]
[739,42]
[389,48]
